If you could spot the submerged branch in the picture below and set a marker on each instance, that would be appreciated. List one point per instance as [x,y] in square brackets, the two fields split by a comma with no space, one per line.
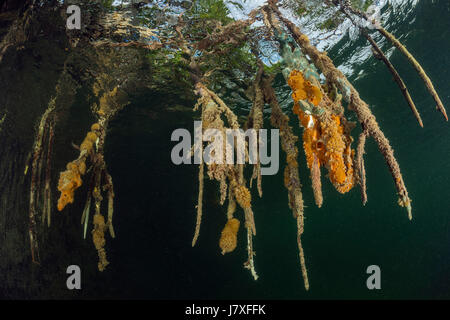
[256,119]
[379,54]
[291,176]
[396,76]
[199,204]
[232,33]
[359,166]
[365,116]
[418,68]
[37,162]
[347,8]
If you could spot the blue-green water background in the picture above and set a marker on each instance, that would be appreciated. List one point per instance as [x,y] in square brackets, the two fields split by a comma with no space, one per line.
[152,256]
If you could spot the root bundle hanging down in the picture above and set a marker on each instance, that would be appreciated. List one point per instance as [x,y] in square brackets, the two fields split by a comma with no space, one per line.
[319,91]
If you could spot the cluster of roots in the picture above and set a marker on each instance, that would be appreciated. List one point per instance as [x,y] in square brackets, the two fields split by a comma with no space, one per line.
[326,140]
[232,184]
[317,104]
[98,237]
[70,180]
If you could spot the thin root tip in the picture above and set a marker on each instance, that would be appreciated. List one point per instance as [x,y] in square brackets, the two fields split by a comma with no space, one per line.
[443,112]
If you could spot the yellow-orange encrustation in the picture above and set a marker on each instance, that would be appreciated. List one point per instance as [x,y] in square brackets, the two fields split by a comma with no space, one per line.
[98,237]
[324,138]
[243,196]
[228,238]
[303,89]
[338,154]
[70,180]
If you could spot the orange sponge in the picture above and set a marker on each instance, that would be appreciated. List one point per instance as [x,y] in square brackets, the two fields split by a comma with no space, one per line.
[69,181]
[228,238]
[303,89]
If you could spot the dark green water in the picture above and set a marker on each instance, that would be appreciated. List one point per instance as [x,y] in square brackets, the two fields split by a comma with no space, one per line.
[155,215]
[152,256]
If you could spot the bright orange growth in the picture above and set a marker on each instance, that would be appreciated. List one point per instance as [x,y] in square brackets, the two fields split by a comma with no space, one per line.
[228,238]
[327,141]
[339,155]
[303,89]
[69,181]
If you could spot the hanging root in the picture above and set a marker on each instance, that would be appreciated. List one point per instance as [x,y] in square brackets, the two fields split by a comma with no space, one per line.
[256,120]
[379,54]
[359,165]
[291,177]
[231,205]
[316,182]
[365,116]
[397,78]
[199,150]
[98,233]
[212,108]
[223,108]
[99,171]
[70,180]
[199,204]
[210,115]
[250,264]
[98,237]
[300,229]
[289,145]
[346,8]
[243,198]
[40,158]
[418,68]
[110,188]
[37,163]
[46,213]
[228,238]
[86,211]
